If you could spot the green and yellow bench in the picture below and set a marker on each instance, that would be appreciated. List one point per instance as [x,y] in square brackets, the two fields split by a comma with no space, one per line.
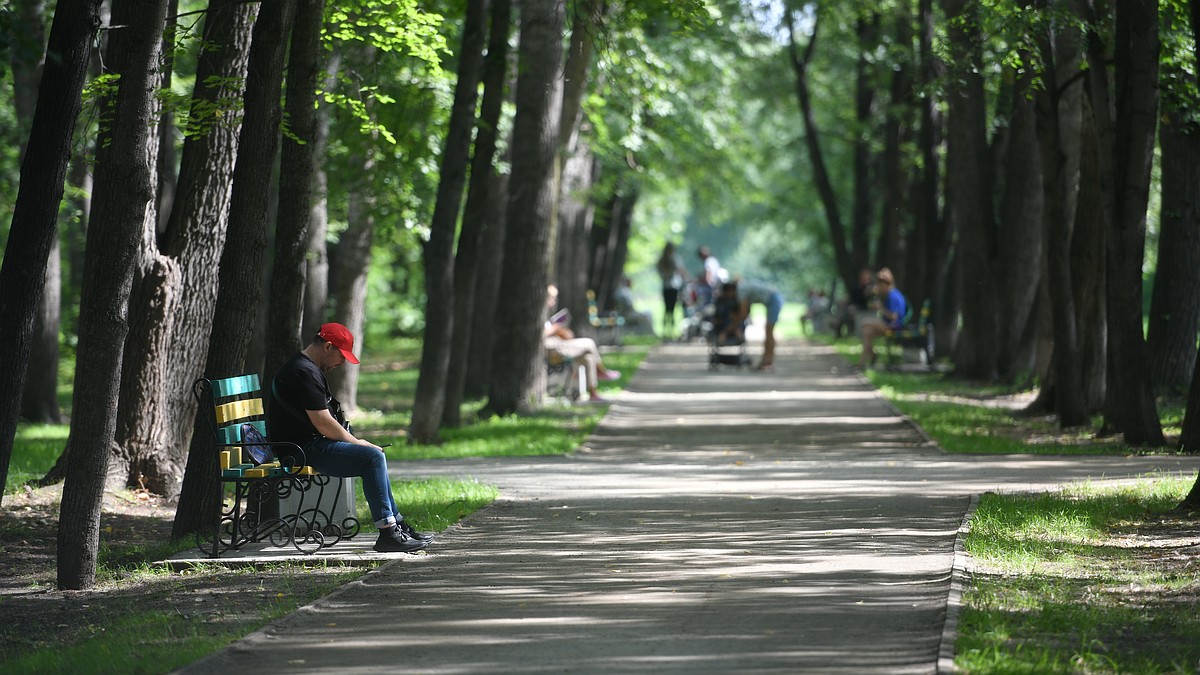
[248,490]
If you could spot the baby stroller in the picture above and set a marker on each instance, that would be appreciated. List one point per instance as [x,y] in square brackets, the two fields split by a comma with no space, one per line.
[726,348]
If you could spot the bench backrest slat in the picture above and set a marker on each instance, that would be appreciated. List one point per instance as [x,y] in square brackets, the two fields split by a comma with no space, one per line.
[232,433]
[233,386]
[236,410]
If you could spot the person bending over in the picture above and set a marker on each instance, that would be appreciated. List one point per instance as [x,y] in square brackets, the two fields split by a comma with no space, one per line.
[749,293]
[300,412]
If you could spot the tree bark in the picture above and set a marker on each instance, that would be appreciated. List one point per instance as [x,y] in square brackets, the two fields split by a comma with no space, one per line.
[32,232]
[969,192]
[430,400]
[295,189]
[477,218]
[1136,98]
[172,309]
[1175,300]
[239,291]
[1067,401]
[487,289]
[928,232]
[122,201]
[1020,250]
[1088,272]
[516,361]
[862,217]
[575,211]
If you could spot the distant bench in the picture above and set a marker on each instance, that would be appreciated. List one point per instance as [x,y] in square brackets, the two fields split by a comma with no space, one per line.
[316,510]
[918,337]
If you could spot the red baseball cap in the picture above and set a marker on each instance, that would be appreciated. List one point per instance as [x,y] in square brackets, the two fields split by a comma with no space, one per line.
[339,336]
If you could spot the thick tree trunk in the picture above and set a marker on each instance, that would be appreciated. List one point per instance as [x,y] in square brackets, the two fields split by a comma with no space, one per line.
[487,290]
[1068,400]
[172,310]
[32,233]
[1175,303]
[969,197]
[516,361]
[1136,97]
[477,219]
[430,400]
[239,290]
[898,183]
[286,310]
[1088,273]
[123,200]
[1020,250]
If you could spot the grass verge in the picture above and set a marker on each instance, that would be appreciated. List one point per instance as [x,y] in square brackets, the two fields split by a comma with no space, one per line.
[1091,579]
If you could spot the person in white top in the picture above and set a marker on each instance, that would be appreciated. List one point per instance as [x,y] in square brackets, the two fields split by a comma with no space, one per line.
[558,338]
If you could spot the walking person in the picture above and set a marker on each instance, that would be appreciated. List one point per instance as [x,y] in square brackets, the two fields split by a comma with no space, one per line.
[674,276]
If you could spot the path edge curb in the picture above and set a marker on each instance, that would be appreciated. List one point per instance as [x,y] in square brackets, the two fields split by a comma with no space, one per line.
[960,575]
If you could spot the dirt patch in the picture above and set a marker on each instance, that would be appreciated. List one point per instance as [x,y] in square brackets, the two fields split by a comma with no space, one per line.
[133,528]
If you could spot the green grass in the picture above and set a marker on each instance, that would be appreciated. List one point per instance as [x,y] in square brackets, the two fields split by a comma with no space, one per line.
[432,503]
[957,415]
[1059,588]
[142,642]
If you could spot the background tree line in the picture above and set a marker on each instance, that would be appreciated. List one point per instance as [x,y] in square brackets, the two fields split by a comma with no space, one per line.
[236,173]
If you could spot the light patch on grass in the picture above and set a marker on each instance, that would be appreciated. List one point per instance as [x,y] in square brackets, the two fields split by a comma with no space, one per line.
[1068,582]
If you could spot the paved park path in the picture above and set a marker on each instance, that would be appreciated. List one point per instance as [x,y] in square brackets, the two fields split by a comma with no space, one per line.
[726,521]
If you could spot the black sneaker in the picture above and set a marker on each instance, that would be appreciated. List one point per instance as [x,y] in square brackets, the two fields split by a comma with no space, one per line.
[393,540]
[413,534]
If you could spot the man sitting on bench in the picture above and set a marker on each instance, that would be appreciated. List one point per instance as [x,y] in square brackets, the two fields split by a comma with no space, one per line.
[300,412]
[893,310]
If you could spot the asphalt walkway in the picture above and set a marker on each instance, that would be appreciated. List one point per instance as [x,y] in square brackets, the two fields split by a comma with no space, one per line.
[717,521]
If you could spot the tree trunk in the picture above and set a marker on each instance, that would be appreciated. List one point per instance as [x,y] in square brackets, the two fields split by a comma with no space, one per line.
[172,310]
[516,360]
[166,167]
[348,283]
[1088,274]
[575,210]
[26,45]
[316,269]
[1136,97]
[239,291]
[123,200]
[1175,303]
[847,269]
[477,220]
[969,196]
[295,189]
[32,232]
[487,289]
[1020,250]
[1068,400]
[897,181]
[926,240]
[862,218]
[430,400]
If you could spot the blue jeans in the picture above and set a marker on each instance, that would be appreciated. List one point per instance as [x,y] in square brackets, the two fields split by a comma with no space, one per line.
[349,460]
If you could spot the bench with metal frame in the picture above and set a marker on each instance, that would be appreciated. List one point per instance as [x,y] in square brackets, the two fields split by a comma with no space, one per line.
[919,336]
[246,488]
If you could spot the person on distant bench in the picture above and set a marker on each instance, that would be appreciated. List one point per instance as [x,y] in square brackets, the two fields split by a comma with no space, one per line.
[558,338]
[893,309]
[300,412]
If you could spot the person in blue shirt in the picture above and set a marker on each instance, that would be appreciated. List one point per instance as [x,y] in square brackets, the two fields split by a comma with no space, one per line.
[893,310]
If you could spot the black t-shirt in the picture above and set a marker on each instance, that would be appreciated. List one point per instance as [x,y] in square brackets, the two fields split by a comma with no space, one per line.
[302,386]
